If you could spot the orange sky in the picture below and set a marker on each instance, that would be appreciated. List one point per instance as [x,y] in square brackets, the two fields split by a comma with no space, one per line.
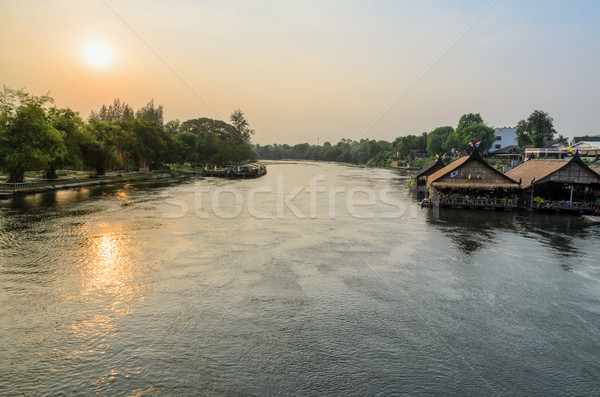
[315,69]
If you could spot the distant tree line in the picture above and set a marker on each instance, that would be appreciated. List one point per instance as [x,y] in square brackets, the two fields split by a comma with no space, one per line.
[411,149]
[471,128]
[37,136]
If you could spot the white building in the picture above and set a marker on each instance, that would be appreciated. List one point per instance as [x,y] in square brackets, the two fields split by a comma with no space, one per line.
[505,137]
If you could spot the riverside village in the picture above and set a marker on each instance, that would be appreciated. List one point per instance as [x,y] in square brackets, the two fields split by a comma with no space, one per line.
[553,178]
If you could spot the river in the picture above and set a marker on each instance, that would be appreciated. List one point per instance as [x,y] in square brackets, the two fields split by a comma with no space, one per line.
[316,279]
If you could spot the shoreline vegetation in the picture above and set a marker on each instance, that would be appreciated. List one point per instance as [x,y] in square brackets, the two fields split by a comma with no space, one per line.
[38,138]
[414,151]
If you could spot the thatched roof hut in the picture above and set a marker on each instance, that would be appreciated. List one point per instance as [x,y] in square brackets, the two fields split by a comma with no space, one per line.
[421,176]
[470,172]
[537,172]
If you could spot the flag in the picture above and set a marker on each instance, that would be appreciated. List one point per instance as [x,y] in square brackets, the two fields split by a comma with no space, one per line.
[437,156]
[477,143]
[470,143]
[453,174]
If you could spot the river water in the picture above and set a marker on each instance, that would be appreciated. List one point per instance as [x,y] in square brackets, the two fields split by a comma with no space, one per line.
[316,279]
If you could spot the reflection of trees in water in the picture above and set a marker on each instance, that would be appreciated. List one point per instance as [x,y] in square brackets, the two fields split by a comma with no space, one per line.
[471,230]
[474,230]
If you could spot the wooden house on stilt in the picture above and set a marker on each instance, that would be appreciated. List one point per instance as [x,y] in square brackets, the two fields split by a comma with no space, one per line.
[558,184]
[471,182]
[421,176]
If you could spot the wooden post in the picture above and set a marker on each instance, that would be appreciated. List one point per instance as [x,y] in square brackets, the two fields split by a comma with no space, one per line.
[531,203]
[571,194]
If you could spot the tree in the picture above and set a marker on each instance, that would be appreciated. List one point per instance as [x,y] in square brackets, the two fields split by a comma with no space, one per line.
[149,142]
[471,128]
[187,147]
[28,142]
[241,125]
[436,140]
[410,145]
[98,146]
[205,125]
[71,126]
[536,130]
[479,133]
[172,127]
[467,120]
[117,111]
[562,140]
[150,113]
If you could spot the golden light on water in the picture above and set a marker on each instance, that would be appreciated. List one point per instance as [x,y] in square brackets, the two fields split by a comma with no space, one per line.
[107,267]
[107,285]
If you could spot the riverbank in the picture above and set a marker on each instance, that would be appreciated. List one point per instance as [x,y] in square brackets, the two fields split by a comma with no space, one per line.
[41,186]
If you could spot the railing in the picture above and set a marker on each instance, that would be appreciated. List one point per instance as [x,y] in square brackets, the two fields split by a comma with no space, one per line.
[569,205]
[10,186]
[478,201]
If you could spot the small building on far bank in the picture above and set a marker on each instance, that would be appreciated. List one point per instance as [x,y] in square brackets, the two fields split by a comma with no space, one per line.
[586,148]
[505,137]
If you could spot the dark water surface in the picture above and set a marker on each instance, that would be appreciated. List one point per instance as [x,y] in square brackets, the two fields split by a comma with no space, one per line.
[147,290]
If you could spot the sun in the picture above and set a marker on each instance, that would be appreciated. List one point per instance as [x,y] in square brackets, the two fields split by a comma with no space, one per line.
[98,54]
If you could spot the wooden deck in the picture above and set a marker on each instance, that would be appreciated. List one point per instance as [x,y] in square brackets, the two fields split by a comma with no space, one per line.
[591,218]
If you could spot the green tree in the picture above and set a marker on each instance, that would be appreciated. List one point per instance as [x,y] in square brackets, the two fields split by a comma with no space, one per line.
[536,130]
[205,125]
[467,120]
[241,125]
[28,142]
[562,140]
[187,147]
[71,126]
[479,133]
[471,128]
[408,146]
[150,113]
[436,140]
[117,111]
[172,127]
[150,143]
[98,146]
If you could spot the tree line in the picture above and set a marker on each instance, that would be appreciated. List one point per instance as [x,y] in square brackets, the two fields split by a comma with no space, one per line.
[37,136]
[446,140]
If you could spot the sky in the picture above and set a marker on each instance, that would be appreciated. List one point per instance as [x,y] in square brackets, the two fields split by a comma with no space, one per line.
[313,71]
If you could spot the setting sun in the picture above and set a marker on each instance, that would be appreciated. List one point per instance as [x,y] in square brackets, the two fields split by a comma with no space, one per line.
[97,54]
